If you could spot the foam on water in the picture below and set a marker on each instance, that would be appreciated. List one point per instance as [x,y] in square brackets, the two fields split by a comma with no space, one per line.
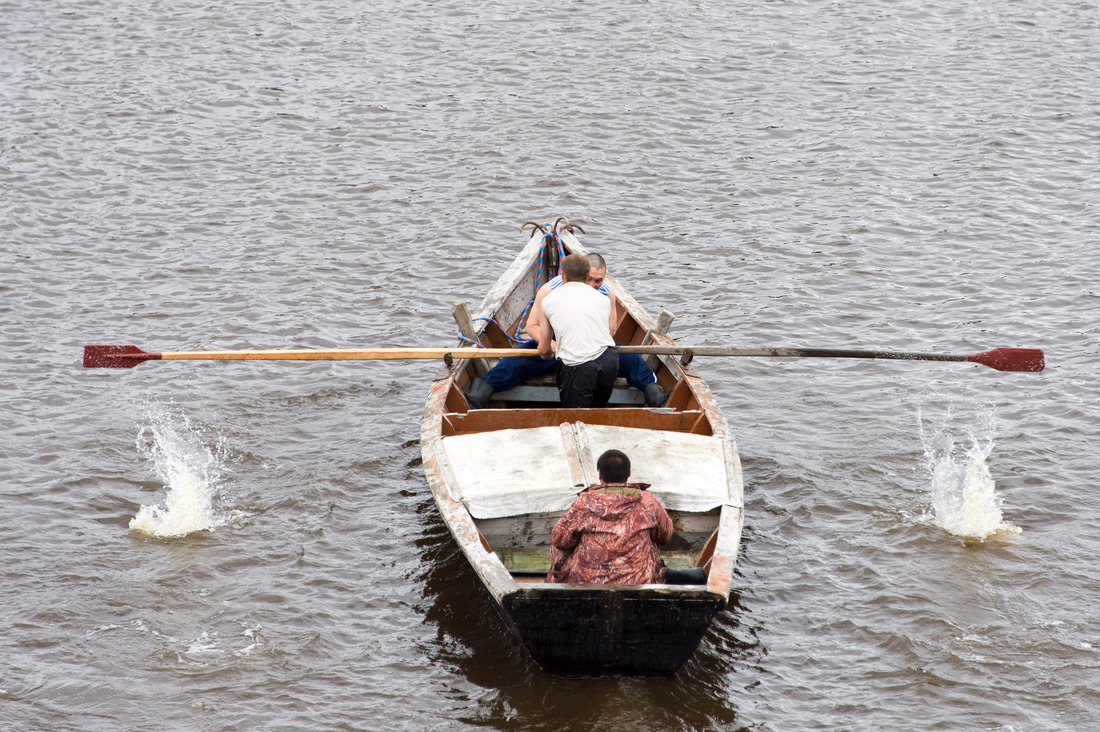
[190,470]
[964,499]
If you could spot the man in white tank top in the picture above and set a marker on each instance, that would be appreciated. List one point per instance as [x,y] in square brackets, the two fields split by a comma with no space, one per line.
[511,372]
[579,318]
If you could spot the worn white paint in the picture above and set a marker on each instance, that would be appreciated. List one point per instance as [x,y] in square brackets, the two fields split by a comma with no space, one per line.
[511,472]
[514,472]
[687,472]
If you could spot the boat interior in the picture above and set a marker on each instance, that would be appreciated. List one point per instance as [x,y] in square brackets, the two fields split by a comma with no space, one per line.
[522,543]
[518,530]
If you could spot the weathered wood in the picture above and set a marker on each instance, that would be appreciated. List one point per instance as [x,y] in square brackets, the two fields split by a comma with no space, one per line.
[703,560]
[348,354]
[533,529]
[664,322]
[577,468]
[536,560]
[681,396]
[484,420]
[622,395]
[465,324]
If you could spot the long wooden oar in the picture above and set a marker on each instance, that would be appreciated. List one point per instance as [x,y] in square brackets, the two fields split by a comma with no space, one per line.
[1002,359]
[125,357]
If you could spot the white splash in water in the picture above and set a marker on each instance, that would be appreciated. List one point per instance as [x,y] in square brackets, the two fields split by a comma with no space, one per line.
[190,471]
[964,499]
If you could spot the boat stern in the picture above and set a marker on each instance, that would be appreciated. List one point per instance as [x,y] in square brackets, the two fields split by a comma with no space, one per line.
[611,630]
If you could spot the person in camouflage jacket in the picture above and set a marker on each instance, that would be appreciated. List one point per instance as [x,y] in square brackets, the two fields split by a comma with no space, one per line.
[611,532]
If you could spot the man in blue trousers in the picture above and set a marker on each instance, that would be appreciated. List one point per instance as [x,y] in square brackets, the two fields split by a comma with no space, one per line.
[511,372]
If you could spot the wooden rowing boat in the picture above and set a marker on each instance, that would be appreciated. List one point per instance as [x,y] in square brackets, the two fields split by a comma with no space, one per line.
[502,476]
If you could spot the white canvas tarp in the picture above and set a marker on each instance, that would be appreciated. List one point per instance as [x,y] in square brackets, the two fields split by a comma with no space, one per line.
[541,470]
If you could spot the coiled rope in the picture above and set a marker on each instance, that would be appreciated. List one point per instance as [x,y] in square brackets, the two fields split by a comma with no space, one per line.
[552,236]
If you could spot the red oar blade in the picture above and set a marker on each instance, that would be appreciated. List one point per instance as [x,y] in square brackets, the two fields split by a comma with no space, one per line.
[1011,359]
[116,357]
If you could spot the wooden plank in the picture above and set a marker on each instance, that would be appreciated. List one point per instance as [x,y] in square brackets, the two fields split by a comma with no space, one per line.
[626,328]
[536,560]
[623,395]
[466,534]
[533,529]
[720,571]
[466,327]
[456,401]
[494,337]
[664,322]
[573,456]
[680,396]
[584,455]
[707,551]
[487,420]
[702,426]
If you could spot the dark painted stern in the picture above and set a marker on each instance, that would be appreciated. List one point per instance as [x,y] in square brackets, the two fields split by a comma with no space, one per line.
[601,630]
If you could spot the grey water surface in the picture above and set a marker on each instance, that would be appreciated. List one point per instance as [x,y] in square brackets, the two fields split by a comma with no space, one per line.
[330,173]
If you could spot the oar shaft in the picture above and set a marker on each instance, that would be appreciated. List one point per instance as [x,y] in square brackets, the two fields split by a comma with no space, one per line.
[397,354]
[1001,359]
[786,352]
[349,354]
[124,357]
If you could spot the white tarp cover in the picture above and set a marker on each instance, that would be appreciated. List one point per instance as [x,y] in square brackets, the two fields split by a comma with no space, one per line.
[512,472]
[687,472]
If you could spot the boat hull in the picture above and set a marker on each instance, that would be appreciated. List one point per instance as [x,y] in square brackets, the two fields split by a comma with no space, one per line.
[502,476]
[601,631]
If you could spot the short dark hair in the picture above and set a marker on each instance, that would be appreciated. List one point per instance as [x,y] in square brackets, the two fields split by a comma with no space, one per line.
[574,268]
[614,466]
[596,261]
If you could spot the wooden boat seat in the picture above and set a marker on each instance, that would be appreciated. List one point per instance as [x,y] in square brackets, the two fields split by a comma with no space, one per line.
[543,388]
[489,420]
[536,559]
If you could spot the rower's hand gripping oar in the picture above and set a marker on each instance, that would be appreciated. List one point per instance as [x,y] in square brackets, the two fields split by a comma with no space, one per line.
[125,357]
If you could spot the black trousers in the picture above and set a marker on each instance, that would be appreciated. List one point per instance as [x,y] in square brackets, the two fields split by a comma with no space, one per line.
[590,384]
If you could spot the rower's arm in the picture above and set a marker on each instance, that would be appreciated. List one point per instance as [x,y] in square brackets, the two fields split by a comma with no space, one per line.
[535,316]
[546,336]
[614,314]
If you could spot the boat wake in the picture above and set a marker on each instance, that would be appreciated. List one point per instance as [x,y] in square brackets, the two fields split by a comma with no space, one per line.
[191,472]
[964,499]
